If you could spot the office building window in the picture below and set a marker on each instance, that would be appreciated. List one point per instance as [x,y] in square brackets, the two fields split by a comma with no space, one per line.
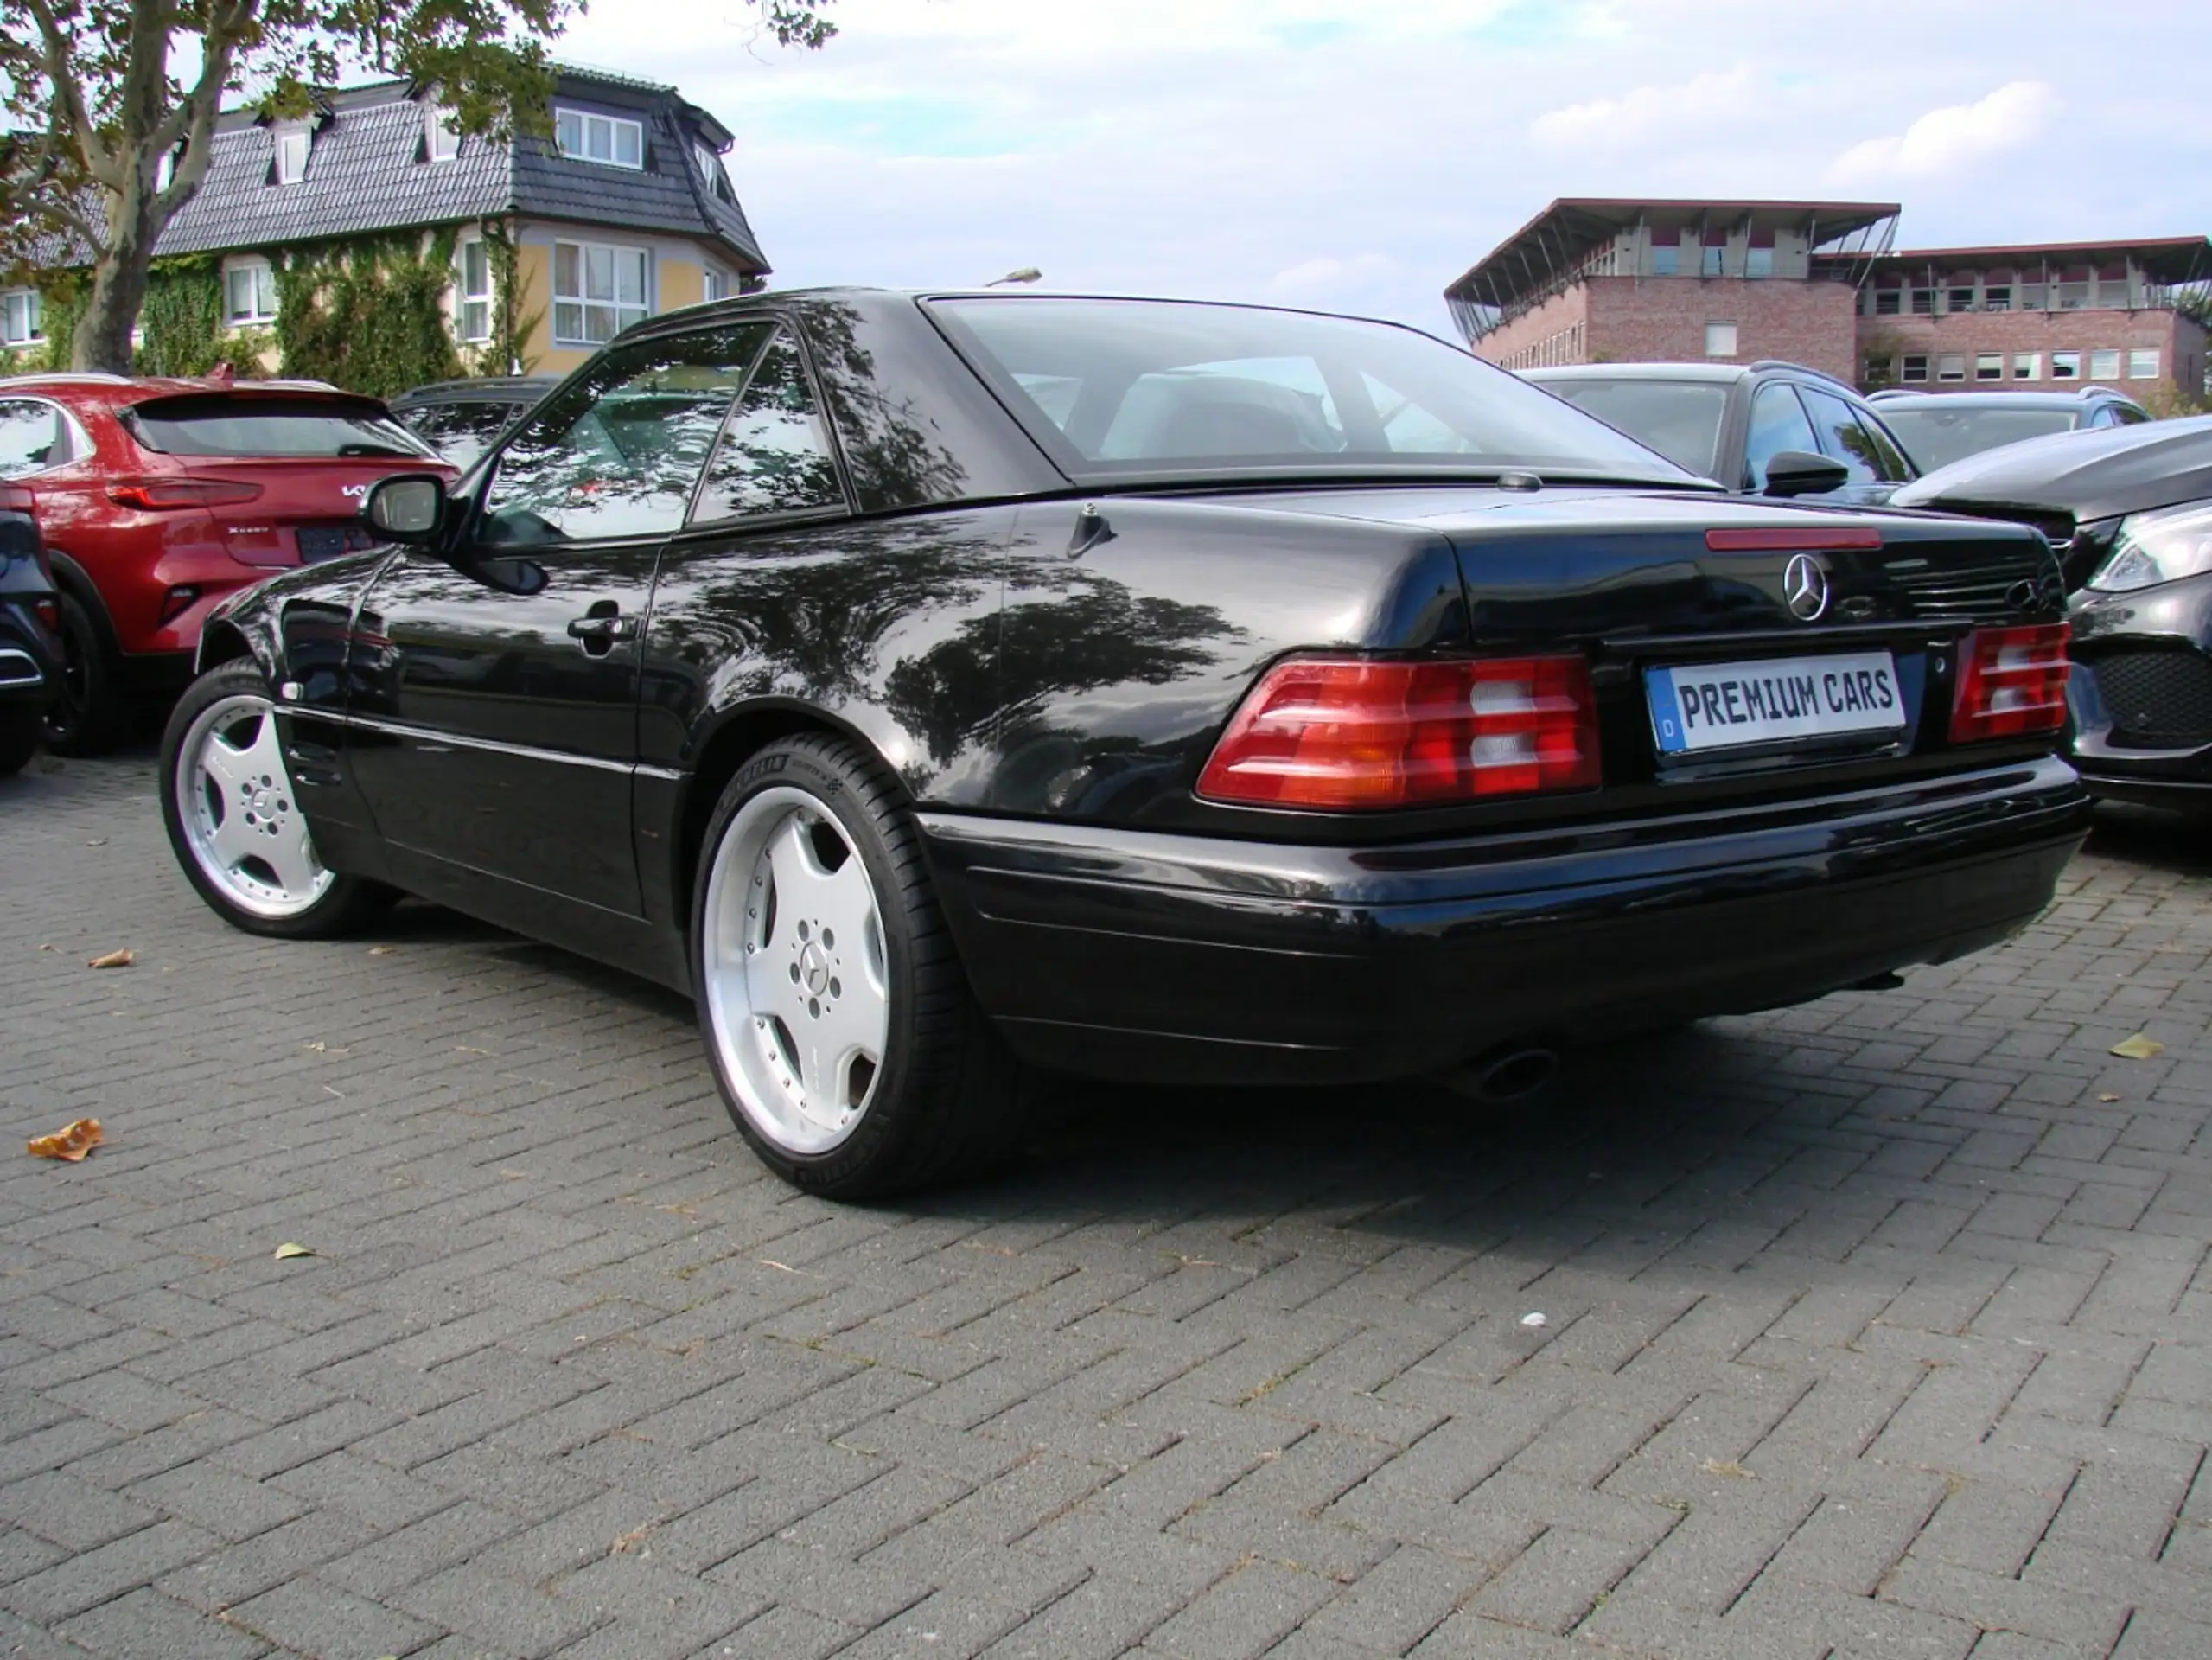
[1877,371]
[1758,262]
[1950,368]
[1962,299]
[584,136]
[1998,299]
[1887,302]
[2027,366]
[1713,256]
[2104,366]
[1989,366]
[1914,368]
[2066,366]
[1720,340]
[2143,366]
[1666,259]
[1923,301]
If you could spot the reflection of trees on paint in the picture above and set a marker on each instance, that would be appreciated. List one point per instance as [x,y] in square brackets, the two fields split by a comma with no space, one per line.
[889,447]
[773,456]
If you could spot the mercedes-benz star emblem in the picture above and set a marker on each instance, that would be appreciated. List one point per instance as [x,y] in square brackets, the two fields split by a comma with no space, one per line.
[1805,588]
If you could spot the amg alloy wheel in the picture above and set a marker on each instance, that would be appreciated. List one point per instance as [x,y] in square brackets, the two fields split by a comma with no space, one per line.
[234,820]
[839,1025]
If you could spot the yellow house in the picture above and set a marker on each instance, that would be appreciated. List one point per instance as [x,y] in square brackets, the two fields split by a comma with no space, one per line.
[625,211]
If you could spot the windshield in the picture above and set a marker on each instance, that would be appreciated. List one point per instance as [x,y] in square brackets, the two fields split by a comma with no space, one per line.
[1152,389]
[460,433]
[1678,419]
[214,423]
[1937,437]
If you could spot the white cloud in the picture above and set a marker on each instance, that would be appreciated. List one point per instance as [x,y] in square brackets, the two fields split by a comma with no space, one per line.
[1647,113]
[1326,277]
[1953,139]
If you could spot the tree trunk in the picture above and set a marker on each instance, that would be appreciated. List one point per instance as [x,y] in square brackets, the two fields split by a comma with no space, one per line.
[103,337]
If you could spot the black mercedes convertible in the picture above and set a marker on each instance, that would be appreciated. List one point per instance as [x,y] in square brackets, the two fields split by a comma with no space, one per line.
[945,689]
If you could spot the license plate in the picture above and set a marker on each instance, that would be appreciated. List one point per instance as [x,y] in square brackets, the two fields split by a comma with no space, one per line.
[1725,705]
[319,542]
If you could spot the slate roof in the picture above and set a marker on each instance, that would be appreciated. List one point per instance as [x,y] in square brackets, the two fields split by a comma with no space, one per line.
[367,170]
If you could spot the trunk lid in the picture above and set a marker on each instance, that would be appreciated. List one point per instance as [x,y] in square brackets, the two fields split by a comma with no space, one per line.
[302,512]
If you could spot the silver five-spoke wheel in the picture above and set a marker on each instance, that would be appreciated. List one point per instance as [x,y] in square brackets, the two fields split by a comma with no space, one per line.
[798,996]
[240,818]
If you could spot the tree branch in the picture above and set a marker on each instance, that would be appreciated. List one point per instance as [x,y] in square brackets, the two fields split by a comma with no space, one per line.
[70,125]
[192,121]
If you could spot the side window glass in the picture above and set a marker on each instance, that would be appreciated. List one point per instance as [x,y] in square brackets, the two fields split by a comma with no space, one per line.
[1889,459]
[1778,423]
[31,438]
[775,454]
[1842,438]
[2123,416]
[619,454]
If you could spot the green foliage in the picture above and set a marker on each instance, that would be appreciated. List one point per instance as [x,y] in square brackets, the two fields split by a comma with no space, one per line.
[513,320]
[181,326]
[61,301]
[368,315]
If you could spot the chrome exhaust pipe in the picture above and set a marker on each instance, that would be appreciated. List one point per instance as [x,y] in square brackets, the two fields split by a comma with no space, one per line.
[1509,1072]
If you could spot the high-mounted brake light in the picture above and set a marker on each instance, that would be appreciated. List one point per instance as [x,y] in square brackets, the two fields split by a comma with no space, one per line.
[1803,539]
[2011,682]
[1338,733]
[157,495]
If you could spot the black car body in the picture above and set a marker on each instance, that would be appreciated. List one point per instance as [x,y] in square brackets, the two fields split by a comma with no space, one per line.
[1938,427]
[460,420]
[1730,422]
[30,646]
[1084,670]
[2126,510]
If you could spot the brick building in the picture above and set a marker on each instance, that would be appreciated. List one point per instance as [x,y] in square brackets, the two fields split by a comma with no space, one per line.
[2053,314]
[1818,283]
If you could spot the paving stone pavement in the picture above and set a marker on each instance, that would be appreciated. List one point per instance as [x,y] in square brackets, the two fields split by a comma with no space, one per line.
[1877,1327]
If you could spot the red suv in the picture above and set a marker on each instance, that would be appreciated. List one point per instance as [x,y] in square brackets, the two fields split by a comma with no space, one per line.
[158,497]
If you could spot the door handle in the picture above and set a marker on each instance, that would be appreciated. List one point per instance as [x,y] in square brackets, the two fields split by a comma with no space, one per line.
[603,629]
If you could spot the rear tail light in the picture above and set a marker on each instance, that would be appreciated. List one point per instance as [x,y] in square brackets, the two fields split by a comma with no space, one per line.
[2011,682]
[177,602]
[1333,733]
[158,494]
[49,612]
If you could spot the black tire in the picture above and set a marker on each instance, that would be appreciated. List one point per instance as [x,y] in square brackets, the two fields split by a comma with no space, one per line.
[348,903]
[83,717]
[950,1100]
[21,732]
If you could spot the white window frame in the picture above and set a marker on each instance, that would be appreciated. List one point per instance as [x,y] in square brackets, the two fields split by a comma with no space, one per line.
[440,137]
[1989,366]
[1722,339]
[292,139]
[2104,363]
[1951,367]
[585,122]
[582,302]
[2142,362]
[2066,366]
[2027,366]
[1906,377]
[715,284]
[465,329]
[257,315]
[30,306]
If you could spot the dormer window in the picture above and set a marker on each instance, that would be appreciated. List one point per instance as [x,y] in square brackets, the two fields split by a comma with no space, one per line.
[292,143]
[440,135]
[710,166]
[608,139]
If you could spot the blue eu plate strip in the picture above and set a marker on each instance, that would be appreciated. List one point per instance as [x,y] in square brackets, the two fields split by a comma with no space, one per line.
[1666,714]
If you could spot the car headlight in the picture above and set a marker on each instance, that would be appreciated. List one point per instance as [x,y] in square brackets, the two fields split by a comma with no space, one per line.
[2154,547]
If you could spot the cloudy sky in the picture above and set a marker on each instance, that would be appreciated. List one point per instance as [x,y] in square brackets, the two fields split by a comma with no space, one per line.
[1359,156]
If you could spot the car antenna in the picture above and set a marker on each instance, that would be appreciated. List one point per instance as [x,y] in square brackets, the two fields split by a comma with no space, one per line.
[1026,274]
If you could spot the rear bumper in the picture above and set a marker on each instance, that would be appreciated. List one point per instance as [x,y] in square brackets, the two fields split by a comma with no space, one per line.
[1154,957]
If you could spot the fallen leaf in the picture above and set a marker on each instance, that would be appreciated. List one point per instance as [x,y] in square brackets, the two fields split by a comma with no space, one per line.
[1534,1320]
[2106,1094]
[70,1143]
[122,959]
[2138,1048]
[1716,1467]
[45,948]
[289,1250]
[97,841]
[380,950]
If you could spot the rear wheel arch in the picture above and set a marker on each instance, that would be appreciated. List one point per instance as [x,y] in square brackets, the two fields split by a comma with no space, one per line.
[740,737]
[72,579]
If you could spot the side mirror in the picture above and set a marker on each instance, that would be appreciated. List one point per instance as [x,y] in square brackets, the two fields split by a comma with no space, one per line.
[409,508]
[1799,472]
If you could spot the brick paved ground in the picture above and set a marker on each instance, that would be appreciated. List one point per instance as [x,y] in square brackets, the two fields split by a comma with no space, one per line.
[1877,1328]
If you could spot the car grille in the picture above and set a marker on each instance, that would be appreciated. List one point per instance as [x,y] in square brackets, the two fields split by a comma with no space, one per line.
[2057,527]
[2160,697]
[2001,584]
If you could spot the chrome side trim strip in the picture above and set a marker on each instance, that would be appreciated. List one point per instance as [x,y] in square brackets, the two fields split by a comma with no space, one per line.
[430,739]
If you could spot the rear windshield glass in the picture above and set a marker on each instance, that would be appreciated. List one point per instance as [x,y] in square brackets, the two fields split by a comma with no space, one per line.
[460,433]
[1134,388]
[264,426]
[1936,438]
[1678,419]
